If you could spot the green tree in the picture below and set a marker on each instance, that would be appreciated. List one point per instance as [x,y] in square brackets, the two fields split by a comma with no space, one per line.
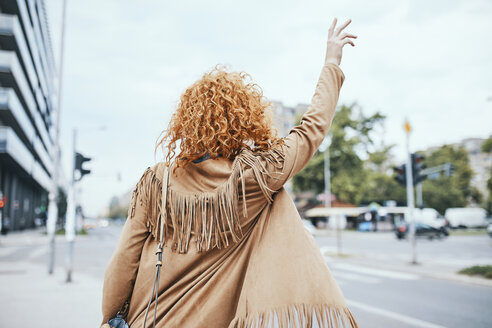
[452,191]
[350,132]
[487,148]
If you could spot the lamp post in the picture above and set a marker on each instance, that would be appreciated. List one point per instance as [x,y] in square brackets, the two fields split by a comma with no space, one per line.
[53,194]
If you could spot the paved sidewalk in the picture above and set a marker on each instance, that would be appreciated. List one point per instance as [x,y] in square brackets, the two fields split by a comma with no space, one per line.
[27,237]
[29,297]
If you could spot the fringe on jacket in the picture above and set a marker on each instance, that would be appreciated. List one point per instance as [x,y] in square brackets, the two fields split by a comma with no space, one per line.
[213,217]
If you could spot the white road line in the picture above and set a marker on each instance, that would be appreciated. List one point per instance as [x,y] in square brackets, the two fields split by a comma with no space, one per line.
[7,251]
[38,252]
[356,277]
[393,315]
[375,272]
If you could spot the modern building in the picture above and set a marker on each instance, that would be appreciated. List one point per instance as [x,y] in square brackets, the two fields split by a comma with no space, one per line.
[27,108]
[285,117]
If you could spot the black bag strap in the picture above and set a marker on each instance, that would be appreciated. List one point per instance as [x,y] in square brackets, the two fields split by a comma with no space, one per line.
[163,216]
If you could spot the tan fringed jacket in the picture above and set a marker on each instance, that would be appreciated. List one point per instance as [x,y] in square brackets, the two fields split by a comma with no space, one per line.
[236,252]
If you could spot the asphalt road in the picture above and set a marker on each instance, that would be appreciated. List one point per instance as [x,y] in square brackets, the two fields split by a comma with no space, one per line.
[392,298]
[451,253]
[377,297]
[384,298]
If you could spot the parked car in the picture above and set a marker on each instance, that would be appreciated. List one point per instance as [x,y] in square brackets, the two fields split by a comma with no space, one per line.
[421,230]
[461,217]
[489,230]
[365,226]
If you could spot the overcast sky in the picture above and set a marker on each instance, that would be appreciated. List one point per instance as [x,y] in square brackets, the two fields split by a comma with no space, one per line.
[127,62]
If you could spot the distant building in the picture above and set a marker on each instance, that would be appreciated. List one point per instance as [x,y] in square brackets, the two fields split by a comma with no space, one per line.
[480,162]
[284,117]
[27,107]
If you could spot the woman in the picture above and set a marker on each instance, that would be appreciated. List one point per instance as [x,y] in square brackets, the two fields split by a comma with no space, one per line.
[235,251]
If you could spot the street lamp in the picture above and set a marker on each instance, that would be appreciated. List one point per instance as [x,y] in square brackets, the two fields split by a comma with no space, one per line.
[53,194]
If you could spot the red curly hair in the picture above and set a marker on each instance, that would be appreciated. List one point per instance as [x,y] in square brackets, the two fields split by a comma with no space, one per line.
[220,114]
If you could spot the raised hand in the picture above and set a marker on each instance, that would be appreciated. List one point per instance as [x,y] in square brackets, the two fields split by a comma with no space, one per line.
[336,41]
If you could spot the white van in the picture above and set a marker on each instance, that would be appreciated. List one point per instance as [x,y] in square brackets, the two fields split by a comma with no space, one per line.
[430,217]
[466,217]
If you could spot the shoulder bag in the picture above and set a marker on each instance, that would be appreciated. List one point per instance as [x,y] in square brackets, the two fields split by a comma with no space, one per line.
[119,320]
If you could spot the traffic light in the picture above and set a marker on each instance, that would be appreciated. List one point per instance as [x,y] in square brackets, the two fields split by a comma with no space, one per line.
[401,174]
[79,160]
[449,171]
[417,167]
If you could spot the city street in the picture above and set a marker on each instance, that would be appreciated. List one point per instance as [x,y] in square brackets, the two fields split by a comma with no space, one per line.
[381,287]
[385,290]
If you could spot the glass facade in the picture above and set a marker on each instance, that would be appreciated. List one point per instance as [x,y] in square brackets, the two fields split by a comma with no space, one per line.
[27,108]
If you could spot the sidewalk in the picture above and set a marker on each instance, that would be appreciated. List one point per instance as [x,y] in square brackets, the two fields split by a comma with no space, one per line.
[27,237]
[424,268]
[29,297]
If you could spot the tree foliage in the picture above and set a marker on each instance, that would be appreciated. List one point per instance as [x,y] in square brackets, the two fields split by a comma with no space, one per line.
[351,131]
[448,191]
[487,148]
[360,180]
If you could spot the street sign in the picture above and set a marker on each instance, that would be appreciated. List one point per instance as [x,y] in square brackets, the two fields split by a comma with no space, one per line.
[408,127]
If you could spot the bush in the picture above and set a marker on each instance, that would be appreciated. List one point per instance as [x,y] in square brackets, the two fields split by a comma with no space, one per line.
[480,270]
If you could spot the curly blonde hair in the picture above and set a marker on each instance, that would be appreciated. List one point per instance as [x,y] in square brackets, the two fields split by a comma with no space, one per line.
[220,114]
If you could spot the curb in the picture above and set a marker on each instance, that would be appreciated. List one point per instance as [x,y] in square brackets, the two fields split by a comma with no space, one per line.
[371,263]
[454,277]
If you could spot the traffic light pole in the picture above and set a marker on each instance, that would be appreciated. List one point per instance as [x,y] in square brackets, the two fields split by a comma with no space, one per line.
[327,201]
[418,191]
[71,213]
[411,200]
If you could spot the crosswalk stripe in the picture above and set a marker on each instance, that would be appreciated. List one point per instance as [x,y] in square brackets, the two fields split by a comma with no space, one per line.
[356,277]
[375,272]
[393,315]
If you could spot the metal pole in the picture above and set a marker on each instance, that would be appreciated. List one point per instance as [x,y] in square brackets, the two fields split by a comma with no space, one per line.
[411,201]
[71,208]
[327,177]
[53,194]
[420,200]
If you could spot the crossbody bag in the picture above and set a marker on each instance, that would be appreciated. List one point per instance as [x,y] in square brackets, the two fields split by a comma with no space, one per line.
[119,320]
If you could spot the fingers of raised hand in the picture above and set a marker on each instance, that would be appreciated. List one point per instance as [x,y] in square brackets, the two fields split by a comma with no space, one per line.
[349,41]
[342,27]
[332,27]
[348,35]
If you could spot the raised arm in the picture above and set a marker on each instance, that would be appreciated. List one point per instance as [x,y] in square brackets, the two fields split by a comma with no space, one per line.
[304,139]
[283,162]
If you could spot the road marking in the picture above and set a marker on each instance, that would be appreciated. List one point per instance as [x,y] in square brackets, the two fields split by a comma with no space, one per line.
[394,315]
[375,272]
[356,277]
[38,252]
[4,252]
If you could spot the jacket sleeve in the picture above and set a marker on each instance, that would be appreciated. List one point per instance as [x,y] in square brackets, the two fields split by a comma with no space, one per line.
[121,272]
[282,162]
